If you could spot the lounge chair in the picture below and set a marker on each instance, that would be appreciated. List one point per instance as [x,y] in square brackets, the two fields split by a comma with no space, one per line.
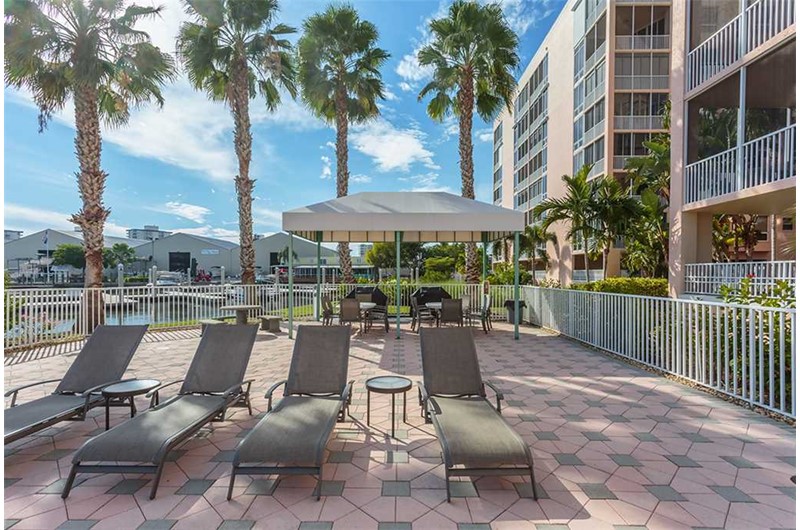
[291,438]
[213,383]
[452,312]
[102,362]
[475,439]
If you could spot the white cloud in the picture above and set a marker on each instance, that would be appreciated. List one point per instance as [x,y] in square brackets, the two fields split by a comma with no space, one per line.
[210,231]
[524,14]
[326,168]
[360,179]
[192,212]
[425,182]
[30,219]
[389,95]
[405,87]
[390,147]
[265,216]
[485,135]
[409,68]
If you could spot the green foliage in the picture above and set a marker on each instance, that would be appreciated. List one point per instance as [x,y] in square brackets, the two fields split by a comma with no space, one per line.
[550,283]
[781,294]
[283,255]
[384,255]
[503,274]
[118,253]
[69,254]
[434,276]
[141,278]
[444,265]
[456,251]
[12,305]
[647,238]
[658,287]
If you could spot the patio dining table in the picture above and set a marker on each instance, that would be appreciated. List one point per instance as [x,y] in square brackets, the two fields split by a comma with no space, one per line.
[241,311]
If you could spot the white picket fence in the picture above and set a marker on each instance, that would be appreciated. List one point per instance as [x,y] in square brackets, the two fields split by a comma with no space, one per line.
[40,316]
[744,351]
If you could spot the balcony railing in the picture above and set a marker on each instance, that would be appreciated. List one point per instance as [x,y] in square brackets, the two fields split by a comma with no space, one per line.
[770,158]
[621,160]
[579,275]
[598,54]
[646,123]
[594,95]
[763,20]
[708,278]
[642,42]
[594,132]
[641,82]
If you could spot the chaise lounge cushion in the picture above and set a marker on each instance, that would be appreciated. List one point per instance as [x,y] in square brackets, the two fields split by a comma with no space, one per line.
[145,438]
[294,433]
[42,410]
[474,435]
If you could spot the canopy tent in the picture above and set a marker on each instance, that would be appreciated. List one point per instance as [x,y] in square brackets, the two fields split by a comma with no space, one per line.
[404,216]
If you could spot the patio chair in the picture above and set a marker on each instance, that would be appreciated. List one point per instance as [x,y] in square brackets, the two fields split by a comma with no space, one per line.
[420,314]
[452,312]
[379,313]
[327,310]
[214,382]
[474,437]
[291,438]
[101,362]
[484,314]
[350,311]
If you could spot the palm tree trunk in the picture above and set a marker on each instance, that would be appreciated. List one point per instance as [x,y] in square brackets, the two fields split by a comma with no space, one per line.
[586,255]
[92,215]
[342,176]
[243,143]
[466,104]
[606,252]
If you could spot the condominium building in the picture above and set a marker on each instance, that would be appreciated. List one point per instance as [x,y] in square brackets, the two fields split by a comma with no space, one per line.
[734,137]
[148,233]
[614,56]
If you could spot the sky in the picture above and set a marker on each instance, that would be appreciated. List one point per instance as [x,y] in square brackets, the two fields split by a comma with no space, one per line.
[174,166]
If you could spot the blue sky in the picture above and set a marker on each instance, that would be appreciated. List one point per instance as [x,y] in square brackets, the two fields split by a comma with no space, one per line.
[174,166]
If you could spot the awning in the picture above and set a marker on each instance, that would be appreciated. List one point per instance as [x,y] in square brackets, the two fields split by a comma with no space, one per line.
[420,216]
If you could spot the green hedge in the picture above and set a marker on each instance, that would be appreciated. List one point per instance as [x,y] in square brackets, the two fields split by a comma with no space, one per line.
[640,286]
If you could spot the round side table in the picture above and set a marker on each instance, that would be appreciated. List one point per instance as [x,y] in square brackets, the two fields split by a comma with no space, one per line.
[126,391]
[389,384]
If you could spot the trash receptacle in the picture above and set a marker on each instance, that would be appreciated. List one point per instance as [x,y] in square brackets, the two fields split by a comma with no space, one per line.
[509,305]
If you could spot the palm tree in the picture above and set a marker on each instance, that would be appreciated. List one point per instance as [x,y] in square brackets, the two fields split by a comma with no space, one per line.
[340,76]
[647,237]
[235,51]
[92,53]
[474,56]
[533,242]
[614,210]
[577,206]
[283,255]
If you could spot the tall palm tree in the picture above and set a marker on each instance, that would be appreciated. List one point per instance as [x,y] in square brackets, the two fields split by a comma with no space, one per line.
[614,210]
[533,242]
[474,56]
[92,53]
[235,51]
[341,81]
[576,206]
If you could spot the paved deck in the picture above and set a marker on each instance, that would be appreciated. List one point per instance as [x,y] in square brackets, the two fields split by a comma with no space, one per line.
[615,448]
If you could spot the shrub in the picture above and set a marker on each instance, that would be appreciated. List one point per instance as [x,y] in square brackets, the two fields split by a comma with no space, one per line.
[550,283]
[503,274]
[434,276]
[640,286]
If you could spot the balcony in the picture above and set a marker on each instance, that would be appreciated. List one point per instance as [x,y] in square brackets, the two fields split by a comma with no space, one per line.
[763,20]
[770,158]
[598,54]
[595,94]
[708,278]
[641,42]
[639,123]
[594,132]
[579,275]
[621,160]
[641,82]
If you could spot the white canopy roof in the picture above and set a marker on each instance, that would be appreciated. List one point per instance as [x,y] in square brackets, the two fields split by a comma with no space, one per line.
[420,216]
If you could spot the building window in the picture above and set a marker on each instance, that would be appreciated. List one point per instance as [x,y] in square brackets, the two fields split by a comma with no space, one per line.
[498,193]
[787,224]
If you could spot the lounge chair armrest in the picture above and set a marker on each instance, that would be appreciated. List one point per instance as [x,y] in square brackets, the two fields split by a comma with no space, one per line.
[498,395]
[89,392]
[270,391]
[13,391]
[423,393]
[153,394]
[237,388]
[348,391]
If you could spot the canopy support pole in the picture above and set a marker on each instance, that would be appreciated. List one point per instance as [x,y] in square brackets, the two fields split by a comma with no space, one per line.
[398,236]
[318,308]
[290,294]
[483,258]
[516,285]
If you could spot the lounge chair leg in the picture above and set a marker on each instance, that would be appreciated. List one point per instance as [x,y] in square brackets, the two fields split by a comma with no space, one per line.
[319,486]
[233,479]
[156,480]
[70,480]
[533,484]
[447,482]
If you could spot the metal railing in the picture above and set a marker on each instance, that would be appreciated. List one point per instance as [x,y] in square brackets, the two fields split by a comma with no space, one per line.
[770,158]
[579,275]
[743,351]
[708,278]
[639,122]
[642,42]
[41,316]
[767,18]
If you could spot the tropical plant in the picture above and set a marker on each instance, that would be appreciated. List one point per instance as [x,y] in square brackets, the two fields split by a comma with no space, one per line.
[283,255]
[234,50]
[614,210]
[721,238]
[532,243]
[118,253]
[503,274]
[70,254]
[647,237]
[473,53]
[576,207]
[652,171]
[341,83]
[384,255]
[91,53]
